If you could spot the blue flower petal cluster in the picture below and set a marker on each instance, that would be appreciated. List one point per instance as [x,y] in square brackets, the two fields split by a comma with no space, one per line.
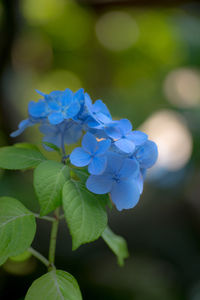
[117,156]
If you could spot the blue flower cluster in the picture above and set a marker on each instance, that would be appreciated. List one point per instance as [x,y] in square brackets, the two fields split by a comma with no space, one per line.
[116,155]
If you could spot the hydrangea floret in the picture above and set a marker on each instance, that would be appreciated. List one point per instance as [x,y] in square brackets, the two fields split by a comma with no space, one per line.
[116,155]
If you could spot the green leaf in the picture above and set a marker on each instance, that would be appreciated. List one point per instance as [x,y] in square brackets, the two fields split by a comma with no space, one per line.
[49,178]
[21,257]
[117,244]
[81,174]
[26,146]
[52,146]
[17,228]
[15,158]
[55,285]
[85,214]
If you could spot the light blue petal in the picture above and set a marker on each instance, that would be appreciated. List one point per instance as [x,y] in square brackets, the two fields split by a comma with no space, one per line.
[147,154]
[103,118]
[37,109]
[103,147]
[125,194]
[89,143]
[130,169]
[97,165]
[138,137]
[125,126]
[99,184]
[125,145]
[21,127]
[79,157]
[55,118]
[140,183]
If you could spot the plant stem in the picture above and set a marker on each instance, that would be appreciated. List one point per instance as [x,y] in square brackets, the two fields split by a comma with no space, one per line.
[44,218]
[54,231]
[39,256]
[63,148]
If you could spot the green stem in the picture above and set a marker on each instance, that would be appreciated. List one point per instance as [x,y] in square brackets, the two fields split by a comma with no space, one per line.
[53,237]
[39,256]
[50,219]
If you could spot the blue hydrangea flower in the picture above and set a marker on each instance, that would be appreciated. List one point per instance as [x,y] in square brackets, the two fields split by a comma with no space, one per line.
[54,109]
[117,157]
[120,179]
[92,153]
[57,106]
[124,138]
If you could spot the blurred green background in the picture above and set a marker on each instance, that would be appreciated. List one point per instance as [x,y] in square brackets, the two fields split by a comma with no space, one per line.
[143,61]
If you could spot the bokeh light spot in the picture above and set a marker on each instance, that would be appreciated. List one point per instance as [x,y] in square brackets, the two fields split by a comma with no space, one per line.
[117,30]
[59,80]
[168,129]
[42,11]
[182,87]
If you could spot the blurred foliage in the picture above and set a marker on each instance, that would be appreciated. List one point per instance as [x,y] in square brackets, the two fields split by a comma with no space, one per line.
[126,56]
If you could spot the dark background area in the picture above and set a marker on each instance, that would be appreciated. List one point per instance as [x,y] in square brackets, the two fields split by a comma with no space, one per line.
[142,58]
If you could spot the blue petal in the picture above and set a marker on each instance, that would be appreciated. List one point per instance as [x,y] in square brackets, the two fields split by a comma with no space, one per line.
[67,98]
[53,139]
[113,131]
[79,96]
[91,122]
[103,147]
[88,101]
[55,118]
[97,165]
[40,93]
[103,118]
[89,143]
[55,95]
[73,109]
[79,157]
[37,109]
[99,184]
[138,137]
[125,194]
[21,127]
[147,154]
[130,169]
[125,145]
[53,105]
[125,126]
[99,106]
[47,128]
[114,163]
[73,134]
